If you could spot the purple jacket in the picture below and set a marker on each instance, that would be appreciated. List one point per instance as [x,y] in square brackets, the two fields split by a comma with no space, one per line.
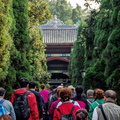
[53,107]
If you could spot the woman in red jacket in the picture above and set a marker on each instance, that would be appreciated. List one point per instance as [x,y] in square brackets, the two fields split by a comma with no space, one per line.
[66,105]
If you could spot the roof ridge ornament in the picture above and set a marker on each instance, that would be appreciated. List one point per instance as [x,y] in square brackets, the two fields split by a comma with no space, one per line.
[55,22]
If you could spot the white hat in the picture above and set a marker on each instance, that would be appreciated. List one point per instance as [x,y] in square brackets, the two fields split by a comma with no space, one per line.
[71,87]
[59,87]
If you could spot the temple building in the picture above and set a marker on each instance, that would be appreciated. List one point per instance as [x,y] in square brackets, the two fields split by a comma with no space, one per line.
[59,39]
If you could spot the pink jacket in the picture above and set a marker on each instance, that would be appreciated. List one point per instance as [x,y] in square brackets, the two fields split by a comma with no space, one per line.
[44,94]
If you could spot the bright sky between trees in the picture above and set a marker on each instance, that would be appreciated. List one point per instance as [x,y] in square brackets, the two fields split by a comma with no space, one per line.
[81,3]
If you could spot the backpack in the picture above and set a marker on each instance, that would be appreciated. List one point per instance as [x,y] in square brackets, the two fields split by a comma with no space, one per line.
[67,116]
[21,106]
[2,110]
[2,101]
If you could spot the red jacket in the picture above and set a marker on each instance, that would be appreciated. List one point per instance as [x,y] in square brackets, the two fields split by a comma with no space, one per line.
[34,115]
[65,109]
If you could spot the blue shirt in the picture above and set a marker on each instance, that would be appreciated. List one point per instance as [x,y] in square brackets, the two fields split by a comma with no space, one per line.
[9,108]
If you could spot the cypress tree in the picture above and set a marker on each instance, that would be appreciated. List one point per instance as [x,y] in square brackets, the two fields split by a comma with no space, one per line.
[38,13]
[95,74]
[111,53]
[21,39]
[5,39]
[77,60]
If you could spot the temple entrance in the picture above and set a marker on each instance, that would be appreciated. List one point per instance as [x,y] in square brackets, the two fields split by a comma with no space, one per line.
[59,76]
[59,71]
[59,39]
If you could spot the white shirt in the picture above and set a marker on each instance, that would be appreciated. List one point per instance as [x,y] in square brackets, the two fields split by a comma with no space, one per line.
[95,115]
[75,103]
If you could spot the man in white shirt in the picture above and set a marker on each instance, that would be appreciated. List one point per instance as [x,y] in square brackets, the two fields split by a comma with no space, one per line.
[110,111]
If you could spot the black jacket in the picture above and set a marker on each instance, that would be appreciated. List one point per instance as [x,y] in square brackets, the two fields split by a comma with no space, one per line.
[40,102]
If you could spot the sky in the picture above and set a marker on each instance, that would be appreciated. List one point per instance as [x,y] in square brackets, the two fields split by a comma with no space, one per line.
[81,3]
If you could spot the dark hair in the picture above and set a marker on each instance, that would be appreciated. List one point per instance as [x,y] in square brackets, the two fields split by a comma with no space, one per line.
[65,94]
[42,86]
[110,94]
[32,84]
[2,91]
[79,89]
[99,94]
[23,82]
[81,114]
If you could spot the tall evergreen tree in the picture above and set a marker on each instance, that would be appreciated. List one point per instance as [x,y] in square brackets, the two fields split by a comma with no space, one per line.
[95,74]
[88,33]
[5,39]
[111,54]
[38,13]
[77,60]
[105,70]
[21,38]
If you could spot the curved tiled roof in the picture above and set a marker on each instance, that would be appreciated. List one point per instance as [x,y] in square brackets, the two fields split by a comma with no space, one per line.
[55,31]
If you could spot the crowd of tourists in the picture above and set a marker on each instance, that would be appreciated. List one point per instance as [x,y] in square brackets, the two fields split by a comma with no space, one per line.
[58,103]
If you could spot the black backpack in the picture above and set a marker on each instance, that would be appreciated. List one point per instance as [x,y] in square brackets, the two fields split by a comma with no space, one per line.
[67,116]
[21,106]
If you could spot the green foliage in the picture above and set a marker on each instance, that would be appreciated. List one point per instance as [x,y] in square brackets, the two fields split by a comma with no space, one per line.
[95,76]
[6,23]
[27,58]
[76,14]
[77,60]
[21,36]
[38,13]
[88,33]
[105,70]
[112,50]
[102,48]
[37,57]
[5,38]
[65,12]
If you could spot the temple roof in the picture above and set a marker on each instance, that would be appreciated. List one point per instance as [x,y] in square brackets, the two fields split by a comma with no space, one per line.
[56,32]
[56,24]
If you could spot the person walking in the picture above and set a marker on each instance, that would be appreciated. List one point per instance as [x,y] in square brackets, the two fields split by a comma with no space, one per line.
[99,95]
[80,99]
[66,105]
[44,93]
[40,101]
[24,85]
[90,96]
[7,104]
[54,103]
[109,110]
